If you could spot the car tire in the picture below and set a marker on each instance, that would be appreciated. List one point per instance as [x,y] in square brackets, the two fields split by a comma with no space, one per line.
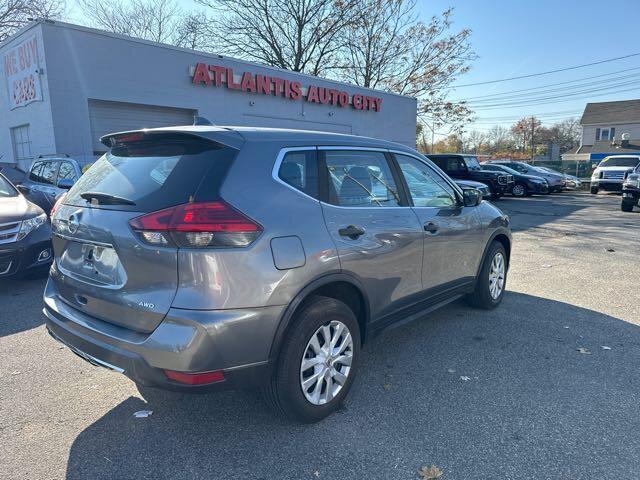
[594,190]
[519,190]
[496,196]
[316,318]
[627,206]
[483,295]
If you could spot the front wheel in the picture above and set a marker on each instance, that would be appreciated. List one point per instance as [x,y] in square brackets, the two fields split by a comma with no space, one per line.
[491,282]
[594,190]
[317,363]
[519,190]
[627,206]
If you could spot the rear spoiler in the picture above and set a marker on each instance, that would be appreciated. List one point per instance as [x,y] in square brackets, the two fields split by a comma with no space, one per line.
[224,136]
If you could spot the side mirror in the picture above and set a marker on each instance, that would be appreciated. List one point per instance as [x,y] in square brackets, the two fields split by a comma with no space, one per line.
[65,183]
[23,189]
[472,197]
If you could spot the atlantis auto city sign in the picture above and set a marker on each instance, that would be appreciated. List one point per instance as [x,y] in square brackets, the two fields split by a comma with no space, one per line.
[223,77]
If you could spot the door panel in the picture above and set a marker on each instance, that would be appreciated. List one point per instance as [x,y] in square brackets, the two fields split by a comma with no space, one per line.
[377,239]
[452,234]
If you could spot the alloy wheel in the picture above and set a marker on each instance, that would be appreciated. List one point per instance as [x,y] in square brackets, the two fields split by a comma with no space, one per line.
[326,362]
[518,190]
[496,276]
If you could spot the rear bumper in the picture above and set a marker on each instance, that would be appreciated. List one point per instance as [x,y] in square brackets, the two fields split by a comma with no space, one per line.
[237,342]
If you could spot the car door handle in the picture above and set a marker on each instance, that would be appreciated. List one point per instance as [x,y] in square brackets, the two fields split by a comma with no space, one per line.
[351,231]
[431,227]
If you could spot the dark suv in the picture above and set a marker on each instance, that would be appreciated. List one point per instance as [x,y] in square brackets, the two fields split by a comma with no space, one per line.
[219,257]
[467,167]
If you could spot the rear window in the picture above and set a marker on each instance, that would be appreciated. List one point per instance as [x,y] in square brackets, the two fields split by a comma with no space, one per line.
[619,162]
[155,172]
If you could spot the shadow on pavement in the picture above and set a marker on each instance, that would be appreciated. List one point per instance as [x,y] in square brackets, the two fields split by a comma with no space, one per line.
[499,394]
[20,312]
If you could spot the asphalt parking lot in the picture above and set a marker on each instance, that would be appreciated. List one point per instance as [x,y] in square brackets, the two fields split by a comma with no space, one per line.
[505,394]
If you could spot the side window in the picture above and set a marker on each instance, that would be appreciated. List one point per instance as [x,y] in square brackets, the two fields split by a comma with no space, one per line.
[360,179]
[67,172]
[49,171]
[34,174]
[300,170]
[455,165]
[426,187]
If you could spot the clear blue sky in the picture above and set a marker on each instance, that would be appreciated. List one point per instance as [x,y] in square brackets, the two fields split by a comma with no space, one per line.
[513,38]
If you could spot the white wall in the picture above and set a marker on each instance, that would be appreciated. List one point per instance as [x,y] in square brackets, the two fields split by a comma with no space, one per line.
[589,131]
[36,114]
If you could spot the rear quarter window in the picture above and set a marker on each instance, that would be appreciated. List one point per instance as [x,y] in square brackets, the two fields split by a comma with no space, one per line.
[156,172]
[299,169]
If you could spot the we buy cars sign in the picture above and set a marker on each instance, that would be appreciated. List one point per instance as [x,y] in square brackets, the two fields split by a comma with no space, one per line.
[21,71]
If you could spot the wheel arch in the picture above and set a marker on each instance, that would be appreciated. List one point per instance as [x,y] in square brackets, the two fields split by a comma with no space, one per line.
[340,286]
[502,236]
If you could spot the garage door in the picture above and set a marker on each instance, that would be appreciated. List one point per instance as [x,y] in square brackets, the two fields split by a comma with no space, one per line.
[109,117]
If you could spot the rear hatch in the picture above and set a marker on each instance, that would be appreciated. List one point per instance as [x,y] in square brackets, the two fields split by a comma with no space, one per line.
[101,265]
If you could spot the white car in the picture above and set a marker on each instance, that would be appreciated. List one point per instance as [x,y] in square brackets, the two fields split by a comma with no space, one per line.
[611,172]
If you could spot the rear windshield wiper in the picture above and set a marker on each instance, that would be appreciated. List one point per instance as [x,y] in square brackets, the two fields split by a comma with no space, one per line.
[106,198]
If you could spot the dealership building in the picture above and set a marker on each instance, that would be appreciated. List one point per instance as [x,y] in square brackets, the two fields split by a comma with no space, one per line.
[64,86]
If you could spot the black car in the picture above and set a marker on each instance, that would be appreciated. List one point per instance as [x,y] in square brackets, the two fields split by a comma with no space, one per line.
[467,167]
[631,191]
[524,185]
[557,182]
[25,233]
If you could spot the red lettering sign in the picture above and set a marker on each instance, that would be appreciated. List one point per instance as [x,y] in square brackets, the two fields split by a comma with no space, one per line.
[215,75]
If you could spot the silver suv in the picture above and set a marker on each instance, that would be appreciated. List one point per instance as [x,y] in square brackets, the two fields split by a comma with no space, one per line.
[211,257]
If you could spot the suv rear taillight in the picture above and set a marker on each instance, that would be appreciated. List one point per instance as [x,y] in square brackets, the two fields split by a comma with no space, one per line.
[197,225]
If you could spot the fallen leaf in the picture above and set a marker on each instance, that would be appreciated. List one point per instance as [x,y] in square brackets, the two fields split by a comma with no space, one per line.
[387,386]
[451,370]
[430,473]
[464,378]
[316,474]
[604,347]
[546,265]
[610,250]
[584,350]
[16,372]
[143,413]
[566,326]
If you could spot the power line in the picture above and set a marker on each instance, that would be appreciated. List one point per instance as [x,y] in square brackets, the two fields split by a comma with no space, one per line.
[549,85]
[545,73]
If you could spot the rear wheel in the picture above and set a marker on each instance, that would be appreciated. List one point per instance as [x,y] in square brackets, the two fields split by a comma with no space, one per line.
[627,205]
[519,190]
[594,190]
[317,363]
[491,283]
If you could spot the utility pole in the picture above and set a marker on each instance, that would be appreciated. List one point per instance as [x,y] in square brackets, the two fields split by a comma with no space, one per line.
[533,148]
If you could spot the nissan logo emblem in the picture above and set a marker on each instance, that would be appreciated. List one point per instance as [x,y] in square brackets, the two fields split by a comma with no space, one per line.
[73,223]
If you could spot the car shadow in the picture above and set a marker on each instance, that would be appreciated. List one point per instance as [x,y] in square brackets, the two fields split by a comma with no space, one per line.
[20,312]
[524,391]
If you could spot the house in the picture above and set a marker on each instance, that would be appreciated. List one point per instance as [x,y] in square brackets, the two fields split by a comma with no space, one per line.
[610,128]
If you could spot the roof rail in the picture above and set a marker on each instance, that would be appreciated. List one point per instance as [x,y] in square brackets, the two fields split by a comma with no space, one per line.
[197,120]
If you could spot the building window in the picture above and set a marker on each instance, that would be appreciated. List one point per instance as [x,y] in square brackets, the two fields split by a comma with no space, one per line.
[605,133]
[21,143]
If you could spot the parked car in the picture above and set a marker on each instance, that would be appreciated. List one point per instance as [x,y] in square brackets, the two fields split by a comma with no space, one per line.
[524,185]
[25,233]
[556,182]
[467,167]
[631,191]
[49,177]
[481,187]
[235,257]
[572,182]
[611,172]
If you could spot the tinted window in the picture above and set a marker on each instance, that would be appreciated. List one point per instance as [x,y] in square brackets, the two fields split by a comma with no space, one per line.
[427,188]
[49,171]
[360,179]
[518,167]
[6,189]
[67,171]
[451,164]
[157,172]
[619,162]
[34,175]
[300,170]
[472,163]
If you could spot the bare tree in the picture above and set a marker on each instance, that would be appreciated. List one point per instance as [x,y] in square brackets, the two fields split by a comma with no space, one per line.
[155,20]
[298,35]
[16,13]
[193,32]
[388,47]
